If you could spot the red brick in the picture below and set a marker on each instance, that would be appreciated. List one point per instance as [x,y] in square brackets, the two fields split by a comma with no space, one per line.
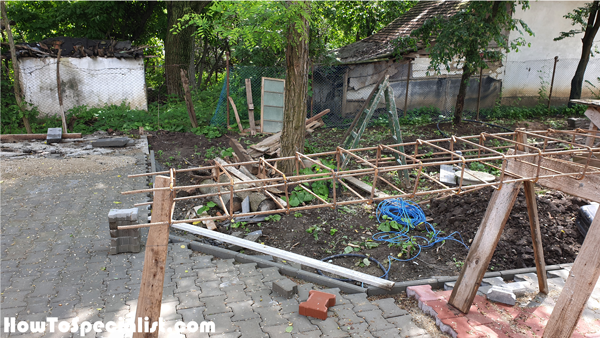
[443,294]
[317,304]
[421,292]
[592,335]
[443,309]
[461,326]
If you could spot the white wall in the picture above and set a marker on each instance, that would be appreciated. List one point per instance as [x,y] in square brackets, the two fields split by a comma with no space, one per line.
[524,68]
[91,81]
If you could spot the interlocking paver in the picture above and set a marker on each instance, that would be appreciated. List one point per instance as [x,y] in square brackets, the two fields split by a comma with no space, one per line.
[277,331]
[251,329]
[189,300]
[215,305]
[389,308]
[210,289]
[242,311]
[329,327]
[270,316]
[223,323]
[300,323]
[375,320]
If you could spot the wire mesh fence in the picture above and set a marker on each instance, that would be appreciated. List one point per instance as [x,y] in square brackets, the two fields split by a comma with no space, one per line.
[344,88]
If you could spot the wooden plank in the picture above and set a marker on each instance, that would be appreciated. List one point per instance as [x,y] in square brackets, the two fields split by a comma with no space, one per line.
[188,98]
[317,117]
[587,188]
[290,256]
[589,102]
[594,162]
[345,92]
[237,117]
[591,140]
[483,246]
[534,226]
[58,86]
[250,106]
[579,286]
[242,154]
[593,113]
[365,187]
[153,275]
[35,136]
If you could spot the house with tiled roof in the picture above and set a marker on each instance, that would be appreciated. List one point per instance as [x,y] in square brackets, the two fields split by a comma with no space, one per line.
[519,77]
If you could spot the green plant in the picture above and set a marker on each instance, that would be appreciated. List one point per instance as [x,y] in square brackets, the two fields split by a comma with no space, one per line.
[314,230]
[209,131]
[159,153]
[297,215]
[332,231]
[407,247]
[596,89]
[457,263]
[363,262]
[206,207]
[239,224]
[227,152]
[299,196]
[273,218]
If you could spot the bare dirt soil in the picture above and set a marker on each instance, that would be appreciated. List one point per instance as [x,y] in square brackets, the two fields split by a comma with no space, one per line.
[319,233]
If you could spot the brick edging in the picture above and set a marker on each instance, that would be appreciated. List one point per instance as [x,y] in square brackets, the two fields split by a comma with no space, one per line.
[263,263]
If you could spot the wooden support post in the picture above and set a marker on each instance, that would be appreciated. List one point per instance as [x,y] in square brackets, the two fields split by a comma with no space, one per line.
[344,92]
[407,84]
[227,67]
[188,98]
[237,117]
[552,82]
[534,225]
[58,86]
[479,92]
[153,275]
[312,79]
[580,284]
[483,246]
[250,106]
[17,80]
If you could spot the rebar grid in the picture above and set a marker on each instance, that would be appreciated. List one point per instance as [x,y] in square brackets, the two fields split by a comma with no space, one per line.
[373,169]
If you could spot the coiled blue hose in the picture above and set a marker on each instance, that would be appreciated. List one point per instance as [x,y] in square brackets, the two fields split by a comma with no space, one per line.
[408,215]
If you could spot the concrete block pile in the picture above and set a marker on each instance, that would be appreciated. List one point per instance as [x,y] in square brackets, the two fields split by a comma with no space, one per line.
[123,240]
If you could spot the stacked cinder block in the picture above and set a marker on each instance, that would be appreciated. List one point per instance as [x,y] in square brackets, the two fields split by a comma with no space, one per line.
[123,240]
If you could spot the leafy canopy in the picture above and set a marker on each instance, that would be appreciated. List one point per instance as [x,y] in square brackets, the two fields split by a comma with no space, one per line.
[583,17]
[476,33]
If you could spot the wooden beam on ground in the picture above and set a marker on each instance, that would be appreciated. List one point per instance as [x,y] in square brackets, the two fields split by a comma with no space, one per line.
[587,188]
[35,136]
[188,98]
[153,275]
[237,117]
[580,284]
[483,246]
[310,262]
[365,187]
[243,156]
[15,65]
[534,226]
[250,106]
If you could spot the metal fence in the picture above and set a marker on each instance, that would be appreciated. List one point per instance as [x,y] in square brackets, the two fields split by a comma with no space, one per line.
[514,83]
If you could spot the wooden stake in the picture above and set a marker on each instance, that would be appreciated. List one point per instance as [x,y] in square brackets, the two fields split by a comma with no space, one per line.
[534,225]
[580,284]
[227,80]
[188,98]
[17,83]
[237,117]
[344,92]
[250,106]
[483,246]
[58,86]
[153,275]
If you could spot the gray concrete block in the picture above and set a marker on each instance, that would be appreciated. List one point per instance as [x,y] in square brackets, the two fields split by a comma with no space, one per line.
[501,295]
[285,288]
[389,308]
[110,142]
[54,135]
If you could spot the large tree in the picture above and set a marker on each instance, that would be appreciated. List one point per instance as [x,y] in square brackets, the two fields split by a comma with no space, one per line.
[468,37]
[588,19]
[296,82]
[179,43]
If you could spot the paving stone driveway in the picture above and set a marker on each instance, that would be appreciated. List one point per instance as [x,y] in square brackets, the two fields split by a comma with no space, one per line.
[55,263]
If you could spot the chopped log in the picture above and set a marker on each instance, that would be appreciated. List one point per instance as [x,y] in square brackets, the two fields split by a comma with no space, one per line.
[242,154]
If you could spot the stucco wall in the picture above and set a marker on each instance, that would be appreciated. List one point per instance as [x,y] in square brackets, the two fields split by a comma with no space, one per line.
[531,67]
[91,81]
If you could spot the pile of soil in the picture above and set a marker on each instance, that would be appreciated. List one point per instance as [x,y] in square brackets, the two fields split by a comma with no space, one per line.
[319,233]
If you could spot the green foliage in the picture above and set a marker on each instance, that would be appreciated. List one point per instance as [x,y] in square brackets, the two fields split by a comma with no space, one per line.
[299,196]
[332,231]
[524,113]
[297,215]
[594,89]
[581,17]
[273,218]
[314,230]
[206,207]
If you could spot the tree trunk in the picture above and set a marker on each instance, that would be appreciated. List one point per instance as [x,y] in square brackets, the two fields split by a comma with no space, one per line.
[462,93]
[587,42]
[296,88]
[178,47]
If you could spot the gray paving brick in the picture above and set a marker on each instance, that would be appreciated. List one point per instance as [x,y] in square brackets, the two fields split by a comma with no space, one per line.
[189,300]
[360,302]
[116,286]
[202,262]
[285,288]
[192,314]
[303,290]
[63,310]
[329,327]
[262,298]
[254,283]
[223,323]
[215,305]
[406,325]
[207,276]
[270,316]
[43,289]
[270,274]
[224,265]
[277,331]
[346,316]
[388,333]
[210,289]
[310,334]
[300,323]
[251,329]
[389,308]
[248,269]
[242,311]
[289,306]
[375,320]
[185,285]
